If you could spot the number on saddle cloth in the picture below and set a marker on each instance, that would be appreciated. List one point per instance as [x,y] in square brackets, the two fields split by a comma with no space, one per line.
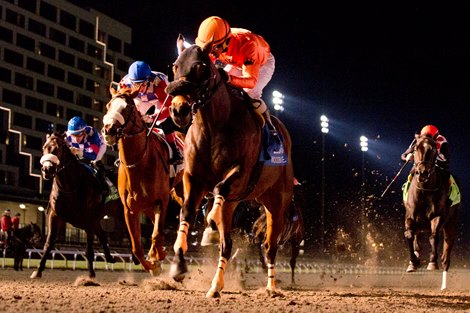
[272,150]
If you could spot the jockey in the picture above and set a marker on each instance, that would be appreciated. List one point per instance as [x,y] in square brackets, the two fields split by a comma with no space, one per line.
[246,58]
[152,101]
[7,228]
[88,145]
[442,146]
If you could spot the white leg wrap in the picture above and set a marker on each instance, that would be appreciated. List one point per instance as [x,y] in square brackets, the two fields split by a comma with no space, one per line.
[215,214]
[271,279]
[444,280]
[181,239]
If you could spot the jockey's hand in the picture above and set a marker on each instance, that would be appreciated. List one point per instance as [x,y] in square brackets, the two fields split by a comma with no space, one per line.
[409,157]
[148,118]
[98,164]
[77,152]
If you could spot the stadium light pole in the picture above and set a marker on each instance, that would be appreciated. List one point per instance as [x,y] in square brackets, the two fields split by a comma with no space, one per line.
[364,143]
[278,101]
[324,124]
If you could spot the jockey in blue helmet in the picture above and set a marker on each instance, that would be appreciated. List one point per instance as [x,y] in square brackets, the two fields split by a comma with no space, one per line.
[88,145]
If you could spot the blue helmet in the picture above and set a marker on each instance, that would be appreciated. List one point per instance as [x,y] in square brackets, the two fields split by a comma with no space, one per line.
[139,72]
[76,125]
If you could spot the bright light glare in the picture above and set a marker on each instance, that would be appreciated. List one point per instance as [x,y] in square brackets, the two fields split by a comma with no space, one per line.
[325,130]
[364,143]
[277,101]
[323,118]
[22,206]
[40,208]
[278,107]
[277,94]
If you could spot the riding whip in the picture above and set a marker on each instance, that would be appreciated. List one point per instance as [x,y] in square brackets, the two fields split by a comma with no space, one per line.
[158,115]
[399,172]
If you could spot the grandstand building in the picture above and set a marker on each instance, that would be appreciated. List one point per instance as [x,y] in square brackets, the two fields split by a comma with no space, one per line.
[58,61]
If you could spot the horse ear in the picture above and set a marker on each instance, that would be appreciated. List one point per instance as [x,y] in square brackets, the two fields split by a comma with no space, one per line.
[207,48]
[180,43]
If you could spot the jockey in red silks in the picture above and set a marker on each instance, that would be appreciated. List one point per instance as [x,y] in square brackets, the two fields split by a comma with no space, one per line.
[153,102]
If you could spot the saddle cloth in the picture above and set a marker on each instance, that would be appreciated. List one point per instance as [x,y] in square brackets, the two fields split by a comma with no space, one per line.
[454,191]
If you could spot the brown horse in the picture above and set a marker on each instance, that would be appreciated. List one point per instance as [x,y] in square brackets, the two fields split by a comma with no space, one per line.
[428,203]
[143,174]
[75,198]
[222,152]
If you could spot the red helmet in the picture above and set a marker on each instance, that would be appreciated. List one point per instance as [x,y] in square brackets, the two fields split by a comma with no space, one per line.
[429,130]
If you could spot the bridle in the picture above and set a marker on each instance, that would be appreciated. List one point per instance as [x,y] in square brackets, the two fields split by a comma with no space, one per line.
[427,161]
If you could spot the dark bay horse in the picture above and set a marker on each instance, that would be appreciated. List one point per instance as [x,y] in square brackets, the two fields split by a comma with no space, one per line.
[75,198]
[143,174]
[428,204]
[222,152]
[26,237]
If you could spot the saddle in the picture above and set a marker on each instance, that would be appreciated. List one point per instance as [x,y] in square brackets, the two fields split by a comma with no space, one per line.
[454,191]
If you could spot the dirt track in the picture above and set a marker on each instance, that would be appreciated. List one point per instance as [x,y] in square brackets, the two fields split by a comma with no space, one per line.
[69,291]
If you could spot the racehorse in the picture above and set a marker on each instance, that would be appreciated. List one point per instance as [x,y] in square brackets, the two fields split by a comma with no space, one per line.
[27,236]
[428,203]
[143,174]
[75,198]
[222,152]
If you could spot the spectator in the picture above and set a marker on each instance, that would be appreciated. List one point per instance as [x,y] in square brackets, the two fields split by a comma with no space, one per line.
[16,221]
[7,227]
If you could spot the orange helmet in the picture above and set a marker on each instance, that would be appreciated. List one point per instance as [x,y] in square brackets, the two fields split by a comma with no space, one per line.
[430,130]
[213,28]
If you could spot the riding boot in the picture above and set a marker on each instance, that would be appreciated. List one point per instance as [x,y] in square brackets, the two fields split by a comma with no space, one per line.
[261,107]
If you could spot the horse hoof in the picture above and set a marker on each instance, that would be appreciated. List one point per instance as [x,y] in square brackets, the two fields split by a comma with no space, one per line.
[177,272]
[36,274]
[157,270]
[432,266]
[411,268]
[213,294]
[210,237]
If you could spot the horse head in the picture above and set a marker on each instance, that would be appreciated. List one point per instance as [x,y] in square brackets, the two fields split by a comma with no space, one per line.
[194,77]
[425,154]
[122,117]
[54,152]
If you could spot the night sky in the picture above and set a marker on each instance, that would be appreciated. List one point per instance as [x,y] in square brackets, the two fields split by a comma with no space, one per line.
[382,69]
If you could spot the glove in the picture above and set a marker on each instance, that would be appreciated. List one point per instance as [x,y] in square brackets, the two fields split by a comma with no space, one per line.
[409,157]
[77,152]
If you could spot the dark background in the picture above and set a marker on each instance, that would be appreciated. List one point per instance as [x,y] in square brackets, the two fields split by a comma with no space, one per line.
[382,69]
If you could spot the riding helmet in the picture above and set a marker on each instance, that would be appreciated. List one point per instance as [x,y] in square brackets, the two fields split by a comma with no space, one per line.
[76,125]
[139,72]
[429,130]
[213,28]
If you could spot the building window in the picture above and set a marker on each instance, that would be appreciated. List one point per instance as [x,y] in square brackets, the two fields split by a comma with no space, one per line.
[46,50]
[29,5]
[85,66]
[95,52]
[114,43]
[22,120]
[33,103]
[57,35]
[25,42]
[48,11]
[44,126]
[11,97]
[44,88]
[86,29]
[84,101]
[122,65]
[55,72]
[15,18]
[65,94]
[53,109]
[90,85]
[67,20]
[76,44]
[35,65]
[5,75]
[71,113]
[34,143]
[36,27]
[24,81]
[66,58]
[6,35]
[75,79]
[13,57]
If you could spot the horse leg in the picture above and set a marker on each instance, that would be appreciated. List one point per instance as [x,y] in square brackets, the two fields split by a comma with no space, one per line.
[156,252]
[295,248]
[133,226]
[53,225]
[102,237]
[90,253]
[434,241]
[410,236]
[225,250]
[193,193]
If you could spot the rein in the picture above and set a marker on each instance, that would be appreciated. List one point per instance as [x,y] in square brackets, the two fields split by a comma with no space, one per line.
[133,165]
[206,92]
